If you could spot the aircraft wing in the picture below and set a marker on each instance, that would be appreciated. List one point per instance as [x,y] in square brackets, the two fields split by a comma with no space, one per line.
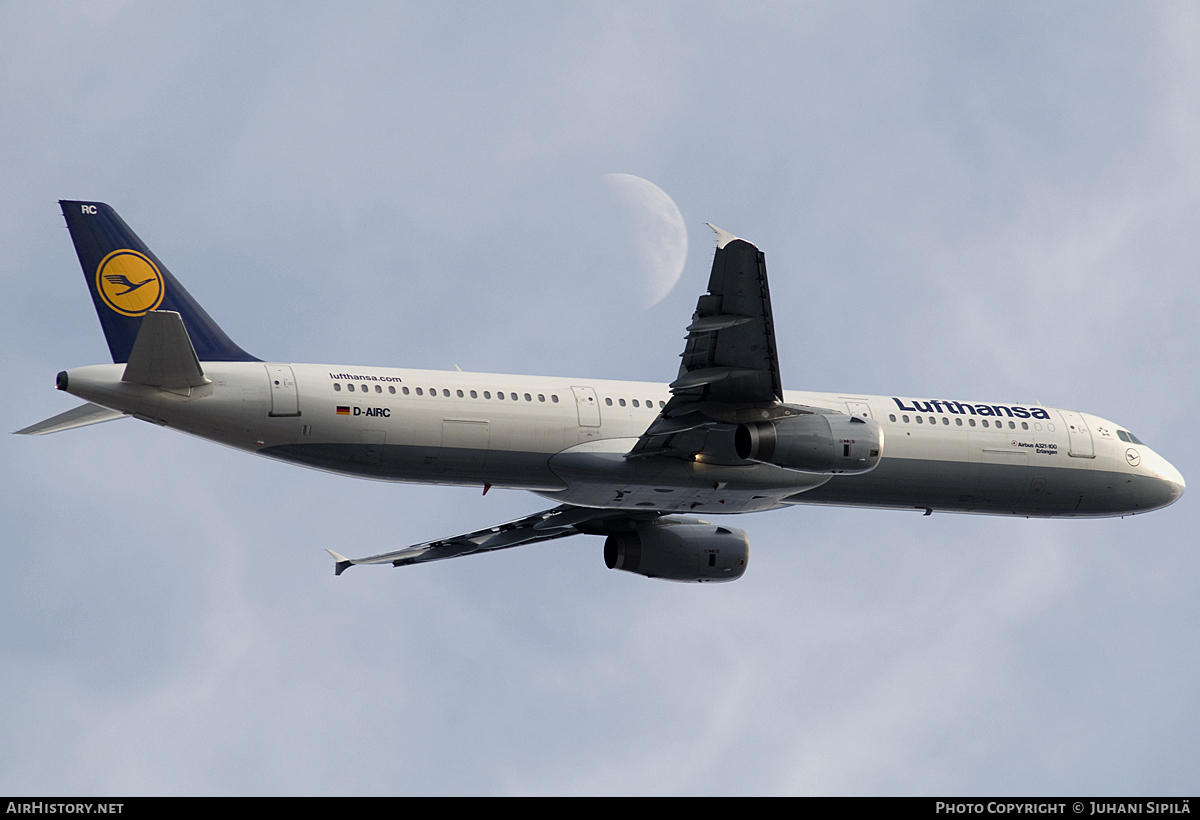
[547,525]
[730,365]
[730,356]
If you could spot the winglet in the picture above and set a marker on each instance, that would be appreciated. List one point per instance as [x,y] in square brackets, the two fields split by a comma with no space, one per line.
[723,237]
[342,562]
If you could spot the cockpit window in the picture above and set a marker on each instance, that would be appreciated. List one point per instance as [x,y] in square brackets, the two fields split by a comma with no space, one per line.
[1125,435]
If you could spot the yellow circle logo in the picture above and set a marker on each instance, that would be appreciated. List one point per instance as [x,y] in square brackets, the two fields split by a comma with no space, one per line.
[129,283]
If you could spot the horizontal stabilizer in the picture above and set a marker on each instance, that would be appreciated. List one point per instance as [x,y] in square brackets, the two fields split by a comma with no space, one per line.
[163,355]
[81,416]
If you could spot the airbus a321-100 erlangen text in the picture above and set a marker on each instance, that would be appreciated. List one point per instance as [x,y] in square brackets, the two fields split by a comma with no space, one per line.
[638,463]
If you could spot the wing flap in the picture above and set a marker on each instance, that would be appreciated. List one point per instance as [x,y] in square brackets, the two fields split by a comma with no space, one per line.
[710,375]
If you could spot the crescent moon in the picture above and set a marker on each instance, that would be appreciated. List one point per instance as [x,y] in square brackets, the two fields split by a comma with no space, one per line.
[661,238]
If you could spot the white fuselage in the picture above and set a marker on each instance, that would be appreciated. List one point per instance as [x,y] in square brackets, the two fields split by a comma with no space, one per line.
[566,439]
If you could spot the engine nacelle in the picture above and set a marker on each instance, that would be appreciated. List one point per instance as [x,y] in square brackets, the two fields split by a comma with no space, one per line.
[813,443]
[680,550]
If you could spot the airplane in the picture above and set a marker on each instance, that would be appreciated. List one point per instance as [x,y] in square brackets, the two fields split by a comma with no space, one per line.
[638,463]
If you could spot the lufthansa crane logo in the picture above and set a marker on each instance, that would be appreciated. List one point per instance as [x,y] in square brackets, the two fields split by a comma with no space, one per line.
[129,283]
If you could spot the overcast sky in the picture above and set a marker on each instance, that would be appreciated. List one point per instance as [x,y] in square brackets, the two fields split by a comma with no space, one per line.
[987,201]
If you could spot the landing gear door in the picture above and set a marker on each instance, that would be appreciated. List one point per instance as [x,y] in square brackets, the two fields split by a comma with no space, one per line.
[284,401]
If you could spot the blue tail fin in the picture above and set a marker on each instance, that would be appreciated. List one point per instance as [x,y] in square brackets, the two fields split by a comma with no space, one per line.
[127,280]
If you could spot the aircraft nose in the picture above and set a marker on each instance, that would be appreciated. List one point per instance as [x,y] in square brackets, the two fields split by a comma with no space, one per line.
[1169,486]
[1175,479]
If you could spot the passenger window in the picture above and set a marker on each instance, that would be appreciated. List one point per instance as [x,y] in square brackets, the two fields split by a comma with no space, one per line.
[500,395]
[621,402]
[446,393]
[337,388]
[487,394]
[635,403]
[1012,425]
[891,416]
[474,395]
[958,422]
[378,389]
[945,420]
[404,390]
[554,398]
[1024,425]
[512,396]
[905,419]
[391,389]
[608,401]
[419,393]
[920,420]
[541,397]
[971,422]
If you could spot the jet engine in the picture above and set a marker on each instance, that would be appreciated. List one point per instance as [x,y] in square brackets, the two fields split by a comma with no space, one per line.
[813,443]
[680,550]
